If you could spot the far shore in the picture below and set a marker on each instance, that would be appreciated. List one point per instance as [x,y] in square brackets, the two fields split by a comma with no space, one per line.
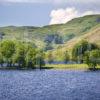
[56,67]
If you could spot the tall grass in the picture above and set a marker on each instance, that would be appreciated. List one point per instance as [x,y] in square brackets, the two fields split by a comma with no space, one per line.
[69,66]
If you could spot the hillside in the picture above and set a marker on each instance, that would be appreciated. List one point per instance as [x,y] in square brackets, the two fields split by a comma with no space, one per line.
[61,35]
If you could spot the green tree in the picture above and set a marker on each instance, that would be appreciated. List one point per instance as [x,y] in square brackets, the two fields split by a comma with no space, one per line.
[40,59]
[80,49]
[48,46]
[20,54]
[30,57]
[8,50]
[1,59]
[50,57]
[66,57]
[92,58]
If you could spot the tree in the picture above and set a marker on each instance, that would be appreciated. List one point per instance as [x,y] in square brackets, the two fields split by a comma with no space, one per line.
[80,49]
[92,58]
[1,59]
[31,58]
[48,46]
[8,50]
[40,59]
[50,57]
[69,36]
[20,53]
[66,57]
[58,39]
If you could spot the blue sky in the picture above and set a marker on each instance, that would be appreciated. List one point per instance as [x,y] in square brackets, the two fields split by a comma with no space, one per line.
[44,12]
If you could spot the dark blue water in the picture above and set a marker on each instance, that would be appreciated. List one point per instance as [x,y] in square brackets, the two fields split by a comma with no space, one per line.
[49,85]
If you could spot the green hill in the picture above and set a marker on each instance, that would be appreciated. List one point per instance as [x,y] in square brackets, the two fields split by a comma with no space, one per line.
[61,35]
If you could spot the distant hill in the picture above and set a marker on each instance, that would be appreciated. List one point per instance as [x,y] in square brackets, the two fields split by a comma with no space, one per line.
[59,35]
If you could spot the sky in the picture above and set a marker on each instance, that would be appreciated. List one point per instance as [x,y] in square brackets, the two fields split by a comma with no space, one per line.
[44,12]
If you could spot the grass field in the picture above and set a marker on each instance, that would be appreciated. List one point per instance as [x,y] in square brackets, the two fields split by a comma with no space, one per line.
[69,66]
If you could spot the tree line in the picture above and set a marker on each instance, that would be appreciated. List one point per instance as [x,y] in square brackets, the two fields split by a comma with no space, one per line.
[82,52]
[26,55]
[20,55]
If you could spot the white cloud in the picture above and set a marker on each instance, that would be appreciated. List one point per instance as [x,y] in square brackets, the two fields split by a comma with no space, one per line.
[64,15]
[89,13]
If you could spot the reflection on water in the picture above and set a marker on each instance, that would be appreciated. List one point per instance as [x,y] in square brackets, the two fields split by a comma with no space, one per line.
[49,85]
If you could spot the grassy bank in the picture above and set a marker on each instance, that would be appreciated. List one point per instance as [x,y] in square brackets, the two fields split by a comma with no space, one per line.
[55,66]
[69,66]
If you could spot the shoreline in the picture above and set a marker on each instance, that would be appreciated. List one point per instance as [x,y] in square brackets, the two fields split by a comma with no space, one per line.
[77,67]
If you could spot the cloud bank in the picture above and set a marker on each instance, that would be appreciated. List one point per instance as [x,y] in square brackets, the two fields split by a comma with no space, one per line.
[64,15]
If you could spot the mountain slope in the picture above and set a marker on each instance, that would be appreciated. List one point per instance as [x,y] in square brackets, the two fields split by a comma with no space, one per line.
[87,27]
